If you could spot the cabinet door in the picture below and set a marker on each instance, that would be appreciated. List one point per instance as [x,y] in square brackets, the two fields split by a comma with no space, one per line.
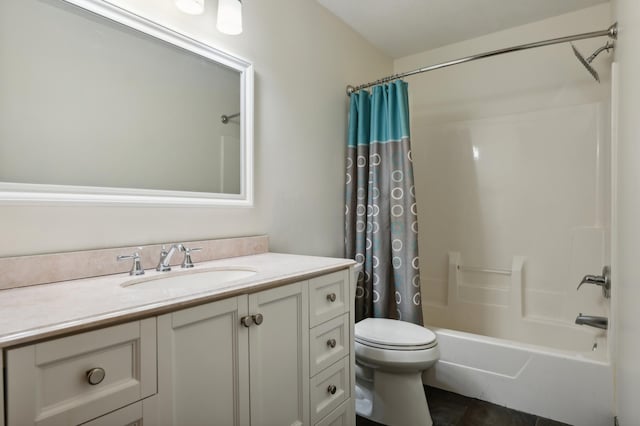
[203,365]
[279,356]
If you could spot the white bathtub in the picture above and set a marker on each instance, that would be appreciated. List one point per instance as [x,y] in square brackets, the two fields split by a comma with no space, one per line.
[571,387]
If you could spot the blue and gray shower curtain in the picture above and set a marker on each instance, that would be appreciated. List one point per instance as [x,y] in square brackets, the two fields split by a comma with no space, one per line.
[381,223]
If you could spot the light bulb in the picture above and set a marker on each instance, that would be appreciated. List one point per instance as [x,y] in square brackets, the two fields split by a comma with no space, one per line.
[191,7]
[229,17]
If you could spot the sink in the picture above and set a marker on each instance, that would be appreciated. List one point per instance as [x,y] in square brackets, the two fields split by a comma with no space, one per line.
[192,279]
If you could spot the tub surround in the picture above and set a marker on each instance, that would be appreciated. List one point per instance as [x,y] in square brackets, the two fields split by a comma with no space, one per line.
[43,311]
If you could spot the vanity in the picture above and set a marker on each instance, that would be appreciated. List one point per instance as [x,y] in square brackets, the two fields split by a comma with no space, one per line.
[267,342]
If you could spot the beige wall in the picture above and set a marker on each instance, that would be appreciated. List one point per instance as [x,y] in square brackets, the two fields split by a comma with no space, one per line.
[303,59]
[626,268]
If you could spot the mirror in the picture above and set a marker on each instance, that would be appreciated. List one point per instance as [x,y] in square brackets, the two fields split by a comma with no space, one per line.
[98,104]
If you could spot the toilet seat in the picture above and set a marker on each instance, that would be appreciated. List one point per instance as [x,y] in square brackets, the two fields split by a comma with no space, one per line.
[394,347]
[388,334]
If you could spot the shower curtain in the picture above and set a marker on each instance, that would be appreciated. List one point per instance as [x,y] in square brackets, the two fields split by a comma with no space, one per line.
[381,224]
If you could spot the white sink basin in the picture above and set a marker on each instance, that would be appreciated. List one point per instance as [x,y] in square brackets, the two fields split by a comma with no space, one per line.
[191,280]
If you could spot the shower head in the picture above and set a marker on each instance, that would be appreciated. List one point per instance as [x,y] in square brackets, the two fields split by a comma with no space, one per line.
[587,62]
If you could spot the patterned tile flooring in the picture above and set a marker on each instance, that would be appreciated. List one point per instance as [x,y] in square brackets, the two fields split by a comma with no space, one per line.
[450,409]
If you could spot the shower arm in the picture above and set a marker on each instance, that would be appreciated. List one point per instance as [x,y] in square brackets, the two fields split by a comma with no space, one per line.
[611,32]
[225,118]
[606,47]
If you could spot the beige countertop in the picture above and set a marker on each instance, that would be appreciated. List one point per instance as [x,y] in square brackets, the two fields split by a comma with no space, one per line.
[48,310]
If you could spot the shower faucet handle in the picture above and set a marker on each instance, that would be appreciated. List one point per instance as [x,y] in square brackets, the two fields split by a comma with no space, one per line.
[603,281]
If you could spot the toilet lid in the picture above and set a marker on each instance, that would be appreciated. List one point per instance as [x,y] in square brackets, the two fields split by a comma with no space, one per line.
[393,334]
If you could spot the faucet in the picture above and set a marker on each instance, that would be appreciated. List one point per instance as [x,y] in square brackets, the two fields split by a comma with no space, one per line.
[603,281]
[165,257]
[137,268]
[592,321]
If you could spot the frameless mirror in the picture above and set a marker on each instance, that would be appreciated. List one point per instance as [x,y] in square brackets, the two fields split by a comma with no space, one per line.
[98,104]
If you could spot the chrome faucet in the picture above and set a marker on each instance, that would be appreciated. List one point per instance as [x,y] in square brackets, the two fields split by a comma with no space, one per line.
[603,281]
[165,257]
[592,321]
[187,262]
[136,268]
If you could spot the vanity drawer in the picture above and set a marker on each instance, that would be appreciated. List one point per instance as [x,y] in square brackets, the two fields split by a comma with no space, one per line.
[328,296]
[341,416]
[74,379]
[329,389]
[329,343]
[141,413]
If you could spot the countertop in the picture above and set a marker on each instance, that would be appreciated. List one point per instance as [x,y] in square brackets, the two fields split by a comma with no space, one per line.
[44,311]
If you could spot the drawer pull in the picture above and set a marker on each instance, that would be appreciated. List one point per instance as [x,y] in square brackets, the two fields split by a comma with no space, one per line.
[331,297]
[257,319]
[331,343]
[95,376]
[246,321]
[332,389]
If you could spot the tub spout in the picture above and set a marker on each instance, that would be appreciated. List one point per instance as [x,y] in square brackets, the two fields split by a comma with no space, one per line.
[592,321]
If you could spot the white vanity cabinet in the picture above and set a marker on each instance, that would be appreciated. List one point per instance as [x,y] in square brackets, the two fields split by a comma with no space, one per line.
[203,374]
[74,379]
[280,356]
[332,378]
[239,361]
[255,360]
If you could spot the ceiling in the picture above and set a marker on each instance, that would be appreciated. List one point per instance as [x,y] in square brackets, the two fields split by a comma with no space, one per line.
[404,27]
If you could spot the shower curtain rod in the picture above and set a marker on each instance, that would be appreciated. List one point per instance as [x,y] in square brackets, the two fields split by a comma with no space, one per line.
[611,32]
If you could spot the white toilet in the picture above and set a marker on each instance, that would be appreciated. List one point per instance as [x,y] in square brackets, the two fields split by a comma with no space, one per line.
[390,358]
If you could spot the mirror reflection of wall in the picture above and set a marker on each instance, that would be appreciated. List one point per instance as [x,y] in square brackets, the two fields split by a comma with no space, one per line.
[88,102]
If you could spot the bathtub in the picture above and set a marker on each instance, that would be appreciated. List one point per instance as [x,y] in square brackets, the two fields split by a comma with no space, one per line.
[568,386]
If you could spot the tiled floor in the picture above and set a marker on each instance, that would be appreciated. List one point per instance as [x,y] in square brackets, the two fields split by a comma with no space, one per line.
[450,409]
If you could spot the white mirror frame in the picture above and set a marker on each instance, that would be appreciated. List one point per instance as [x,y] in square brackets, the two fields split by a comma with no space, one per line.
[19,193]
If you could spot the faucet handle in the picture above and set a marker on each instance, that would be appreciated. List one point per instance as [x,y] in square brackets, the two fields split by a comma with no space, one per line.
[136,268]
[592,279]
[187,263]
[603,281]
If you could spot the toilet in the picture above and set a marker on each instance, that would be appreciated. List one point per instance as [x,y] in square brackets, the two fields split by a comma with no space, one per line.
[390,358]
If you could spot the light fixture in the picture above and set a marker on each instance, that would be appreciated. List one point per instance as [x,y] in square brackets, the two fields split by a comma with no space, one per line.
[191,7]
[229,17]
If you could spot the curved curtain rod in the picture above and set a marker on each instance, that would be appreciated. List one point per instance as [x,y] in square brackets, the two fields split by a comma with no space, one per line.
[611,32]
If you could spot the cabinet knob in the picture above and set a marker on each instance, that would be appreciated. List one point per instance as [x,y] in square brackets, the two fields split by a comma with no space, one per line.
[331,343]
[331,297]
[257,319]
[246,321]
[332,389]
[95,376]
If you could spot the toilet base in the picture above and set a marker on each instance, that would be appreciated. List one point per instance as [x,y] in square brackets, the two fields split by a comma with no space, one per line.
[394,399]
